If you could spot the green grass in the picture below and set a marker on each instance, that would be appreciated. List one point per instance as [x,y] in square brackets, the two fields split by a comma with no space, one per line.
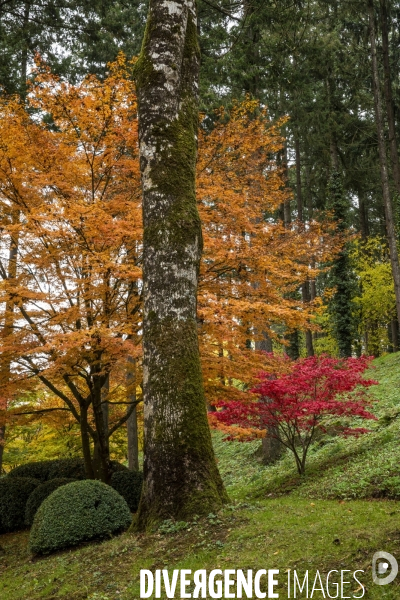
[335,518]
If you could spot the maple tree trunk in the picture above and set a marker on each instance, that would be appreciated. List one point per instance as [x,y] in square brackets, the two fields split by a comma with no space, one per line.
[85,441]
[131,424]
[180,473]
[101,453]
[390,229]
[7,329]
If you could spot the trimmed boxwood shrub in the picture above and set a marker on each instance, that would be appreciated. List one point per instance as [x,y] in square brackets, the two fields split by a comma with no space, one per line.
[129,485]
[70,468]
[40,494]
[78,512]
[37,470]
[14,494]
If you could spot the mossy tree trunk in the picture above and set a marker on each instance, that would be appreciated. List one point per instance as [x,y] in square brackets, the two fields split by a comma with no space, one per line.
[181,476]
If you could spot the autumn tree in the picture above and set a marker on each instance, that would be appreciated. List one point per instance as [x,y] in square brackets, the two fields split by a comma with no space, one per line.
[252,265]
[77,305]
[295,403]
[78,286]
[180,473]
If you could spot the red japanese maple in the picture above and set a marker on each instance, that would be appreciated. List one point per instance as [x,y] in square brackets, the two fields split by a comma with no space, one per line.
[291,406]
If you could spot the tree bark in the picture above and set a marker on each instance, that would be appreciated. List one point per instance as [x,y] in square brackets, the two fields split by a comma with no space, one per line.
[131,424]
[389,96]
[180,473]
[390,229]
[101,453]
[305,288]
[8,325]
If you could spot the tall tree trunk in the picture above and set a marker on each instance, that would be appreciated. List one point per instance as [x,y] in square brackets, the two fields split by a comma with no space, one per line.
[85,441]
[363,215]
[131,424]
[180,473]
[102,449]
[389,96]
[5,360]
[8,325]
[305,288]
[101,452]
[390,229]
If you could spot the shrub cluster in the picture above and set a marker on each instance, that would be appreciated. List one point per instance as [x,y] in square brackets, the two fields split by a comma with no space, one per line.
[70,468]
[40,494]
[14,494]
[129,485]
[78,512]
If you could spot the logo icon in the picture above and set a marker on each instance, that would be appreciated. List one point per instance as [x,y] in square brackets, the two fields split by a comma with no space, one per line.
[382,562]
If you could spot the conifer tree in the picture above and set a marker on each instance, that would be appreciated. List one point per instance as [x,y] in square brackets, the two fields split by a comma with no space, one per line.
[341,274]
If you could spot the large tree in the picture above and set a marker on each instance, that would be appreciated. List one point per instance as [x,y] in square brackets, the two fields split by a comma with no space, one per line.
[180,473]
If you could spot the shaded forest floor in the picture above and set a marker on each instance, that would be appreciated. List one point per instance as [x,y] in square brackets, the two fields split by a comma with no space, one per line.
[335,518]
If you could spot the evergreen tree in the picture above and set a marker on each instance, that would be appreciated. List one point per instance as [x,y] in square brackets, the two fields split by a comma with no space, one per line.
[341,274]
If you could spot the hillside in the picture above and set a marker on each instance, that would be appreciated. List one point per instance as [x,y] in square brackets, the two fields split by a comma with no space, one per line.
[335,518]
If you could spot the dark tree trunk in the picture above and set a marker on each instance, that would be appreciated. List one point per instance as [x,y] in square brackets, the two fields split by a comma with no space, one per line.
[390,229]
[265,343]
[389,96]
[180,473]
[131,424]
[101,453]
[394,330]
[271,447]
[363,215]
[85,441]
[305,288]
[7,329]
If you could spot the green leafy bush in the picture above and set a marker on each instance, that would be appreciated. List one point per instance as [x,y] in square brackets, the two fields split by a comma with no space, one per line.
[14,494]
[78,512]
[70,468]
[37,470]
[40,494]
[129,485]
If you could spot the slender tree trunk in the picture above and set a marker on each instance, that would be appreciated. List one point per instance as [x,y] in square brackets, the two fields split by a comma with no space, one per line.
[389,96]
[390,229]
[287,213]
[363,214]
[8,326]
[180,473]
[394,328]
[305,288]
[102,449]
[101,452]
[131,424]
[85,441]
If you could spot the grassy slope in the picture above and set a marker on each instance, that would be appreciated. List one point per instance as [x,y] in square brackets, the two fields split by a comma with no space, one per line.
[263,528]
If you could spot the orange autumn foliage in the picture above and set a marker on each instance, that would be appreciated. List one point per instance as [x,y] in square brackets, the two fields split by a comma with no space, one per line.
[74,177]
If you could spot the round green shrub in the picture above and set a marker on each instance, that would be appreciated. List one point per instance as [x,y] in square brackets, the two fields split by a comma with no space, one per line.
[14,494]
[40,494]
[70,468]
[129,485]
[37,470]
[78,512]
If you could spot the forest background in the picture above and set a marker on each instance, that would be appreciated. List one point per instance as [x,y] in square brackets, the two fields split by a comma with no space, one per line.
[309,94]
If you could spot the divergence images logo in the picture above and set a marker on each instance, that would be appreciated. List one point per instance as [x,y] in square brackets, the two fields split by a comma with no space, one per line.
[381,564]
